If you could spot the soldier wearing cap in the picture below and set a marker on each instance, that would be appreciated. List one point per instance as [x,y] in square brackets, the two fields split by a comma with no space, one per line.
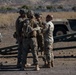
[19,25]
[40,38]
[29,40]
[48,41]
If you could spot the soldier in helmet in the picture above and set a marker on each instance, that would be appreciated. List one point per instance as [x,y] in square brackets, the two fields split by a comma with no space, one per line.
[40,38]
[48,41]
[30,41]
[19,25]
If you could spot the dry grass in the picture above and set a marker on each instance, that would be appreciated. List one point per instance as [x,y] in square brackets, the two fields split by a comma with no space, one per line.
[10,18]
[62,15]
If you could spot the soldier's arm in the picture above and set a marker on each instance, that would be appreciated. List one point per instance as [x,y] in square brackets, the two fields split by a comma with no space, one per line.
[18,28]
[45,28]
[36,27]
[16,25]
[33,29]
[40,23]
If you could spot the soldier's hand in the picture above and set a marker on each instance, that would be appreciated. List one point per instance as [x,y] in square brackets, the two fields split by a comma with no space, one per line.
[42,31]
[38,28]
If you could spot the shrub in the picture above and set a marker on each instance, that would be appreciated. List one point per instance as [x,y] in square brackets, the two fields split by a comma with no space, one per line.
[74,8]
[39,7]
[60,7]
[25,7]
[6,8]
[49,7]
[9,8]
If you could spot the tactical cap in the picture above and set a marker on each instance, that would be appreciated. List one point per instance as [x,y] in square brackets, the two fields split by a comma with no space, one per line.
[30,12]
[22,11]
[49,16]
[38,15]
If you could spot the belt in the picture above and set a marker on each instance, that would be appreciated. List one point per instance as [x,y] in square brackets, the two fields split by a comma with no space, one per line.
[30,37]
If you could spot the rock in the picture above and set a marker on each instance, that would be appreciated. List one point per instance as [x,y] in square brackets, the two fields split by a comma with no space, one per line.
[63,63]
[14,59]
[26,73]
[59,52]
[6,62]
[72,55]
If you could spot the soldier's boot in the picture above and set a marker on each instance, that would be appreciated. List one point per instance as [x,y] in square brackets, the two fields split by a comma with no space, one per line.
[52,63]
[49,65]
[37,68]
[22,67]
[18,65]
[27,65]
[45,64]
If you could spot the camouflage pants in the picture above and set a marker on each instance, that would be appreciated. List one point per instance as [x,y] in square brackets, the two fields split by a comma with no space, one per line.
[32,43]
[20,47]
[40,41]
[19,52]
[48,53]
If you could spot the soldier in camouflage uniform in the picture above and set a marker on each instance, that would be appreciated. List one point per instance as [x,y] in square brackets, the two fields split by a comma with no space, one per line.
[40,38]
[19,25]
[29,40]
[48,41]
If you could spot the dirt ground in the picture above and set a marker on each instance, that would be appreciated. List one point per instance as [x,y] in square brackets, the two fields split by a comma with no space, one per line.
[64,63]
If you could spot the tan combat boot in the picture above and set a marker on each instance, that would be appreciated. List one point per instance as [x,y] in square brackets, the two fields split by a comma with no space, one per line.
[27,65]
[37,68]
[52,63]
[49,65]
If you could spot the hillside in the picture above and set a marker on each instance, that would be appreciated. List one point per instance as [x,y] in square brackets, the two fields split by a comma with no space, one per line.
[37,2]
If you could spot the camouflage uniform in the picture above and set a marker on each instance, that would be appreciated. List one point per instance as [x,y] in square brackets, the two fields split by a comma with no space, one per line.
[19,26]
[40,38]
[30,41]
[48,41]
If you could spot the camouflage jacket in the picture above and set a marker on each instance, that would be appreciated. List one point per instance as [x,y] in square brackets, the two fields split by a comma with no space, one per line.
[40,24]
[19,25]
[30,30]
[48,31]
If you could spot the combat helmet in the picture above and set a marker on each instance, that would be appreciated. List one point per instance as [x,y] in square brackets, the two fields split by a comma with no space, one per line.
[37,15]
[30,13]
[22,11]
